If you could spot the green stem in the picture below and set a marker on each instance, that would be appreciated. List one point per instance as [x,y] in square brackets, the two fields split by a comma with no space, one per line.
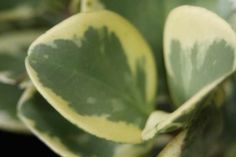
[86,5]
[74,6]
[90,5]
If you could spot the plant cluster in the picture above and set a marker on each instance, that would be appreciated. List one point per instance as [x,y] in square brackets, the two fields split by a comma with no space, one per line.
[121,78]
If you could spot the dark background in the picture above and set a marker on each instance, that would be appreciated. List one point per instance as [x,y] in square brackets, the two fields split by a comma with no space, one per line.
[12,144]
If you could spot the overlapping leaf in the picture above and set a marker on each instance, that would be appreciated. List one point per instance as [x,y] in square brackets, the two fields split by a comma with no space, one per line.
[13,50]
[159,122]
[98,72]
[198,60]
[148,16]
[28,14]
[65,138]
[14,10]
[9,96]
[213,5]
[200,137]
[197,56]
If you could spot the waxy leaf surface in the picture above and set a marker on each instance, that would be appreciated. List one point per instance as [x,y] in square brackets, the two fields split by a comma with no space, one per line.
[63,137]
[98,72]
[197,56]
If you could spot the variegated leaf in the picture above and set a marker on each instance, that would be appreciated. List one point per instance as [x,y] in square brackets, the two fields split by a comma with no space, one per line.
[191,68]
[198,56]
[145,14]
[198,140]
[231,18]
[98,72]
[213,5]
[13,50]
[148,16]
[31,14]
[66,139]
[9,96]
[15,10]
[223,8]
[167,122]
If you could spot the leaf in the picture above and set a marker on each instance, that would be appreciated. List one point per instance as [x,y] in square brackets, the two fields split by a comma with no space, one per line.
[213,5]
[230,110]
[14,10]
[223,8]
[148,16]
[96,75]
[231,18]
[28,14]
[154,119]
[207,78]
[197,56]
[65,138]
[227,139]
[179,119]
[231,152]
[13,50]
[9,96]
[198,140]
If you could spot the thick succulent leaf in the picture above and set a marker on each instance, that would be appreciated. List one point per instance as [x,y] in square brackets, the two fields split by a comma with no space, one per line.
[9,96]
[167,122]
[199,138]
[98,72]
[13,50]
[145,14]
[63,137]
[148,16]
[196,56]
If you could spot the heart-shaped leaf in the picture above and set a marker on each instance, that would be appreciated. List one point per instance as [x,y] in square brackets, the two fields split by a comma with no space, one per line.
[98,72]
[197,56]
[65,138]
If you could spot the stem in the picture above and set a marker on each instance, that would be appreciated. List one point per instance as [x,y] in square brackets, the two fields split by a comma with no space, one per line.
[90,5]
[86,5]
[74,6]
